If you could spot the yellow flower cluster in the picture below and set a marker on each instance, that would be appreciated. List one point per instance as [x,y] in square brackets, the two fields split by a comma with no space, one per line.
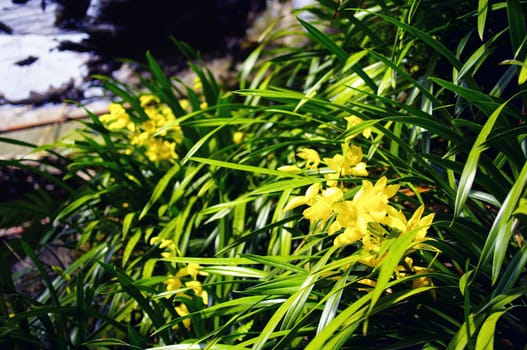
[362,218]
[184,280]
[157,136]
[347,163]
[368,218]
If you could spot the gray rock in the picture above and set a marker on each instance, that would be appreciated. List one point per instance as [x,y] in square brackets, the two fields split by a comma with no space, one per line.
[32,69]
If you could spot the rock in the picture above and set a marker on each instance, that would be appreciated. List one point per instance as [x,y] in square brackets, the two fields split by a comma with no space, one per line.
[33,70]
[27,61]
[28,18]
[5,28]
[36,62]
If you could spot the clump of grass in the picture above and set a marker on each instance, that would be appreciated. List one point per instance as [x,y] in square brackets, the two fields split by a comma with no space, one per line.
[365,189]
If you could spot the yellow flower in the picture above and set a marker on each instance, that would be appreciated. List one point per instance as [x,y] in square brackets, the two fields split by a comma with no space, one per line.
[166,112]
[166,243]
[320,203]
[419,224]
[347,219]
[352,121]
[346,164]
[146,100]
[237,137]
[168,255]
[158,149]
[184,104]
[182,311]
[423,281]
[367,282]
[149,127]
[371,258]
[359,169]
[176,134]
[321,209]
[139,139]
[308,198]
[117,119]
[192,270]
[198,290]
[349,236]
[397,220]
[372,200]
[198,85]
[310,156]
[173,283]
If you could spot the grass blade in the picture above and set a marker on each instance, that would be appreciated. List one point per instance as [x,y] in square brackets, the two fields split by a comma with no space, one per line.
[501,230]
[243,167]
[342,55]
[159,189]
[517,26]
[471,166]
[483,7]
[485,339]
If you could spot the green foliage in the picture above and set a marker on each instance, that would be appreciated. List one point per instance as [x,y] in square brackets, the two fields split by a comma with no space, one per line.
[373,115]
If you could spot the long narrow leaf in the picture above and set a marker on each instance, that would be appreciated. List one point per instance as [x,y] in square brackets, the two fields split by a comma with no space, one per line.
[243,167]
[471,166]
[483,7]
[485,339]
[497,241]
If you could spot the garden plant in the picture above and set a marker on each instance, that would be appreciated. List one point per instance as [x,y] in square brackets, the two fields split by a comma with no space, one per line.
[361,187]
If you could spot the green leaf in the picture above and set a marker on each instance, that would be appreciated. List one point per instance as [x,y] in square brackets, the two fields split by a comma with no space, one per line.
[325,41]
[165,90]
[509,278]
[346,318]
[396,249]
[482,101]
[342,55]
[146,305]
[237,271]
[159,189]
[130,245]
[42,270]
[243,167]
[426,38]
[80,202]
[501,231]
[217,346]
[211,261]
[522,77]
[197,145]
[461,338]
[60,323]
[128,219]
[483,7]
[464,281]
[332,304]
[471,166]
[485,339]
[477,58]
[517,26]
